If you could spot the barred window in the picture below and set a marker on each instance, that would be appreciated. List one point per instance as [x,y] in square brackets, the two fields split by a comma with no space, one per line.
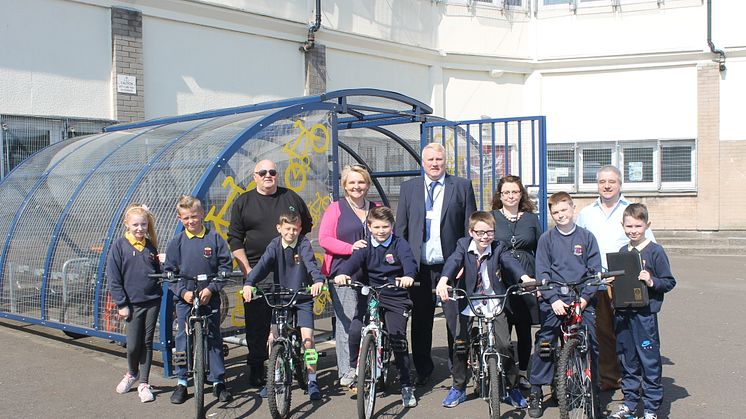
[655,165]
[638,164]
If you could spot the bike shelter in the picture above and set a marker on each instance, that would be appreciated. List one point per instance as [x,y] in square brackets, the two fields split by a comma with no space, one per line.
[65,203]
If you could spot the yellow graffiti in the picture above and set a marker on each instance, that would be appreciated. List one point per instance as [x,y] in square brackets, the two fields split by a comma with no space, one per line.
[237,314]
[298,151]
[218,220]
[318,206]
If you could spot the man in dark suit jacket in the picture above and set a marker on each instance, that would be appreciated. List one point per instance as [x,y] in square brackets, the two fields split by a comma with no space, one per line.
[432,217]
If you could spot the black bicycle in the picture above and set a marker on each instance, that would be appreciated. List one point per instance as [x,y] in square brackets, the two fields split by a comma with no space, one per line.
[196,359]
[485,361]
[574,383]
[287,357]
[374,361]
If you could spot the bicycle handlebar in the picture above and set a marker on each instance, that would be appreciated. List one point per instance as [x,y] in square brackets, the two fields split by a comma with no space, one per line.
[171,277]
[284,292]
[388,285]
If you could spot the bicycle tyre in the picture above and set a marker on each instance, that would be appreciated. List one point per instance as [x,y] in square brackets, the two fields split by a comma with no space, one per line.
[575,393]
[366,377]
[279,382]
[493,378]
[199,369]
[475,367]
[386,380]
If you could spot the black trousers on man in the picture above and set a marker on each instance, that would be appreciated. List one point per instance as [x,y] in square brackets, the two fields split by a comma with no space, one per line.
[423,312]
[257,317]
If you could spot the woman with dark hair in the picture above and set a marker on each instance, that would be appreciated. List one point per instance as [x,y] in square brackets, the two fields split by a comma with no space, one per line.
[517,226]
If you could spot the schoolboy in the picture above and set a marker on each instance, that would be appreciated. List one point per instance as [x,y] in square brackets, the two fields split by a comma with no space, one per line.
[290,257]
[483,260]
[195,251]
[565,253]
[386,259]
[638,340]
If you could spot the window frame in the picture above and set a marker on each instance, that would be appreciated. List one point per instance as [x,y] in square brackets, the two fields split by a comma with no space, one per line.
[618,159]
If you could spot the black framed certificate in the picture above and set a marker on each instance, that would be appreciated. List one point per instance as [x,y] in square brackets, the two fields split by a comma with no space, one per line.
[627,290]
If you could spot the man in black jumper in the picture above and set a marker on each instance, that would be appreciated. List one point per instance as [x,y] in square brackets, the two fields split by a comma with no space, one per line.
[252,228]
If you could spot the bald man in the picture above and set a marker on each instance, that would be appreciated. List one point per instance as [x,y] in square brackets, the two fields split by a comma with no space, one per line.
[253,219]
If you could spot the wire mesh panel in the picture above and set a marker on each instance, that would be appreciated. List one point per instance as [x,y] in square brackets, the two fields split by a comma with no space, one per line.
[171,173]
[25,263]
[301,148]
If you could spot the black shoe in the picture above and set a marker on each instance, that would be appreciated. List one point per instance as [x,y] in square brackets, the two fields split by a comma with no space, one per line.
[179,395]
[221,393]
[257,376]
[422,380]
[534,405]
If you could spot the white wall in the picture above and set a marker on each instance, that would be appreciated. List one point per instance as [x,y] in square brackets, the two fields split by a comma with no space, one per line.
[634,104]
[732,99]
[191,68]
[55,59]
[350,70]
[472,94]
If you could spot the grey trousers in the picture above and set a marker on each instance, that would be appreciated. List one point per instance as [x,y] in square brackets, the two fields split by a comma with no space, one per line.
[344,301]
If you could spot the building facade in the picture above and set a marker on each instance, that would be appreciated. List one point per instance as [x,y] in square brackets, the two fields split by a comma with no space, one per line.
[628,82]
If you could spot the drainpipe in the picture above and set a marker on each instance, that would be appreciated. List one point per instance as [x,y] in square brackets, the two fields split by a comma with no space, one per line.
[310,41]
[721,54]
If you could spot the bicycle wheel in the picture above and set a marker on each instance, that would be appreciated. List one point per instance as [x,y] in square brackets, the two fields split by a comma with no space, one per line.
[495,387]
[279,380]
[386,379]
[199,368]
[575,393]
[366,377]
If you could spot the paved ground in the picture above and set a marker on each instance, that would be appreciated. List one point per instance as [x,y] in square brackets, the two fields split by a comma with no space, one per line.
[45,374]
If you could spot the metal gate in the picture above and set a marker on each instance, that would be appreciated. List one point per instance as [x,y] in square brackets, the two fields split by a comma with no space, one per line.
[484,150]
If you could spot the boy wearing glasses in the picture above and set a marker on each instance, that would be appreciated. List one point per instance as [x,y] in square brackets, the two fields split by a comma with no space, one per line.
[483,260]
[252,227]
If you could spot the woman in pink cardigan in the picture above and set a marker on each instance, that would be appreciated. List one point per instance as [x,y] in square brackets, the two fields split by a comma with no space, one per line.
[343,230]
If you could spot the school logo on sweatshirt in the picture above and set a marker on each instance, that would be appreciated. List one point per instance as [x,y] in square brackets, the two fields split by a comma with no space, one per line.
[207,252]
[578,251]
[390,258]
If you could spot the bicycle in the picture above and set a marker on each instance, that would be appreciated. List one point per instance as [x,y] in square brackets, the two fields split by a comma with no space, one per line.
[375,355]
[287,358]
[574,383]
[485,361]
[195,358]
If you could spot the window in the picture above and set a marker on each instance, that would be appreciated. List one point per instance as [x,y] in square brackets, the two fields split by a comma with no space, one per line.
[593,159]
[561,166]
[22,136]
[656,165]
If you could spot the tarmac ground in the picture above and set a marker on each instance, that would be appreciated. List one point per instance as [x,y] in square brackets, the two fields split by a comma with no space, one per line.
[46,374]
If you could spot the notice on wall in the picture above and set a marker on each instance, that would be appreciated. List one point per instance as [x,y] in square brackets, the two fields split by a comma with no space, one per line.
[634,171]
[126,84]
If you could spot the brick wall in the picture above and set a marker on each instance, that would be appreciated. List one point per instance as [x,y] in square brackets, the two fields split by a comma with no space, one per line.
[126,39]
[708,149]
[316,70]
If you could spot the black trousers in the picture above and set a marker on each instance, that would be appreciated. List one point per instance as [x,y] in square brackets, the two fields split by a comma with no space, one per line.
[257,315]
[462,327]
[519,317]
[423,312]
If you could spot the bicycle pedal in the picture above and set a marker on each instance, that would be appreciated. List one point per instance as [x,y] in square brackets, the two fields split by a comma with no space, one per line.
[311,356]
[179,359]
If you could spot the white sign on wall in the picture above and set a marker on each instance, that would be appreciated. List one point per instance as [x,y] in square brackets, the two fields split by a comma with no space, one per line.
[126,84]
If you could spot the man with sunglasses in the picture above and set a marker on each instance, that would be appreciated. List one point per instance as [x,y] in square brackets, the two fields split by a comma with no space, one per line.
[253,219]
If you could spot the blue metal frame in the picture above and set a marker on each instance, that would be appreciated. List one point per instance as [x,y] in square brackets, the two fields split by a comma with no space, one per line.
[63,216]
[429,126]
